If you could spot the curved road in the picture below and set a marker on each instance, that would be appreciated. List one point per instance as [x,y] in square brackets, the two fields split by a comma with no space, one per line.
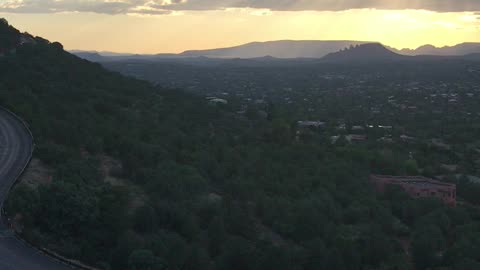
[15,149]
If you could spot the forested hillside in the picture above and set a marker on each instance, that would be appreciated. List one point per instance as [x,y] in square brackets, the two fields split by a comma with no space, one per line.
[10,36]
[199,186]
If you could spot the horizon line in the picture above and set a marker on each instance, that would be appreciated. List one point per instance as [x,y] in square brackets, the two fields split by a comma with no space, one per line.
[268,41]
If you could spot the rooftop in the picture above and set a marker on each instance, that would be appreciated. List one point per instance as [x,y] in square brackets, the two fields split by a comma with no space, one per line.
[414,180]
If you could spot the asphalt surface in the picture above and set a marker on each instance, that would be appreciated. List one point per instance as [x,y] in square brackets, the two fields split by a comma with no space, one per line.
[15,148]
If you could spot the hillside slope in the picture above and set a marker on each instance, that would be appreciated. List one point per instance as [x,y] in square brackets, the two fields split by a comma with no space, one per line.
[82,115]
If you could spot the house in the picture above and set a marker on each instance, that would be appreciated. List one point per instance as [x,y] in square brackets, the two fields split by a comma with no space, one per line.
[341,126]
[357,128]
[334,139]
[407,138]
[449,167]
[313,124]
[214,100]
[439,143]
[386,139]
[418,187]
[356,138]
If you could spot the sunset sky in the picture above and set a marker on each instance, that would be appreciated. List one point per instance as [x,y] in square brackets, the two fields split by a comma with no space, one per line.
[157,26]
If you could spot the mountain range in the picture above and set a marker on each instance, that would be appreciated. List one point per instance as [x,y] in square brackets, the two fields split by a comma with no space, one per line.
[277,49]
[459,49]
[282,49]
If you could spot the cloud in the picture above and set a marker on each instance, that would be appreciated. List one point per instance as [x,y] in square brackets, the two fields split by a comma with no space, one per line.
[111,7]
[331,5]
[159,7]
[57,6]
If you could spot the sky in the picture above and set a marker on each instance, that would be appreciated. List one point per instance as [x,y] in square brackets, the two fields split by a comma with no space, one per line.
[172,26]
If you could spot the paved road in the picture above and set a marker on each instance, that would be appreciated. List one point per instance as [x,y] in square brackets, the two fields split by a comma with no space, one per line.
[15,148]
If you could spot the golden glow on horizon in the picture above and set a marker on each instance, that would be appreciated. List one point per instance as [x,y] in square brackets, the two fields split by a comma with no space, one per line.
[213,29]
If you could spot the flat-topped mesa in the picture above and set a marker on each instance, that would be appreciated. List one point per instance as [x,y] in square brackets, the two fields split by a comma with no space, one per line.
[418,187]
[276,49]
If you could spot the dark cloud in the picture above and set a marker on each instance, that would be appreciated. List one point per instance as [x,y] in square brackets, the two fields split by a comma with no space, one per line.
[166,6]
[53,6]
[331,5]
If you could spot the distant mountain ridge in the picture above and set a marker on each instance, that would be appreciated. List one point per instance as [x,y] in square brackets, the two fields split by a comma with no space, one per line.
[456,50]
[284,49]
[364,52]
[277,49]
[90,56]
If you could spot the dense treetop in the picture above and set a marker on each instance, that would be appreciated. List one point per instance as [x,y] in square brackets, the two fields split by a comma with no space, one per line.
[9,36]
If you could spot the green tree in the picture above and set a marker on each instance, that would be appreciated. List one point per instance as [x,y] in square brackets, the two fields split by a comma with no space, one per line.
[145,219]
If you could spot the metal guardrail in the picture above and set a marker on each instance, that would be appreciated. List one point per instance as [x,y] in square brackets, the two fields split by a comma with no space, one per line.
[68,262]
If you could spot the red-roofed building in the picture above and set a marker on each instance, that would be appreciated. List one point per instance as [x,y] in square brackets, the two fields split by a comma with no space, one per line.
[418,187]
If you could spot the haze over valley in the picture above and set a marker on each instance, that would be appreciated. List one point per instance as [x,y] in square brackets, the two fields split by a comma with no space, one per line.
[282,49]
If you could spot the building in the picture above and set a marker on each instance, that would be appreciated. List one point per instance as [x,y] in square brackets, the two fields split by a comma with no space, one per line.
[406,138]
[418,187]
[358,128]
[215,101]
[351,138]
[310,124]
